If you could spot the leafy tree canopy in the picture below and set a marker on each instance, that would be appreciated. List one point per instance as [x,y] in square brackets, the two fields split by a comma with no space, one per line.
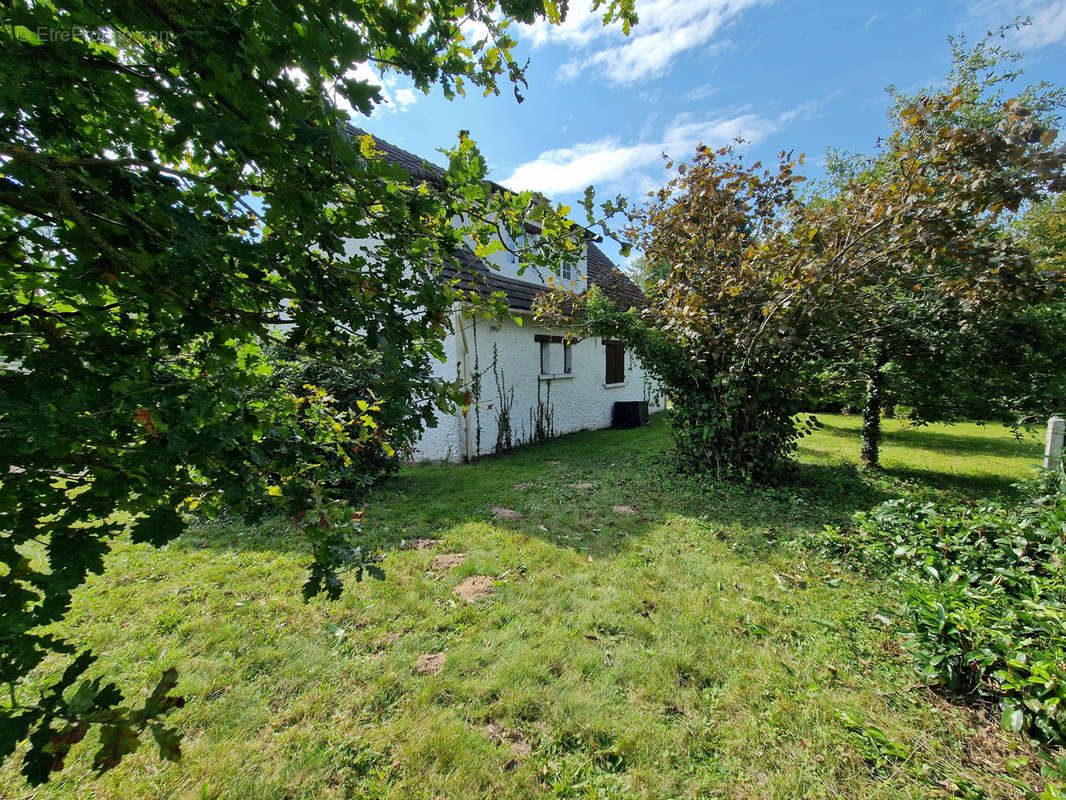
[909,342]
[178,188]
[1043,231]
[760,279]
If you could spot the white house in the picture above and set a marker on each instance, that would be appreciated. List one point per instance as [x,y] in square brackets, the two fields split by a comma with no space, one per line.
[526,382]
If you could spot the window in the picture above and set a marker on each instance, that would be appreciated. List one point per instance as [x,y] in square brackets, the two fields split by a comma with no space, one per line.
[616,362]
[512,245]
[566,271]
[556,355]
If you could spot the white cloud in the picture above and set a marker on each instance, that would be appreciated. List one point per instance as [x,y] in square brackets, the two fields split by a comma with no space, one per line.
[629,166]
[405,98]
[570,169]
[701,92]
[1048,20]
[397,97]
[580,27]
[611,162]
[805,112]
[667,28]
[872,20]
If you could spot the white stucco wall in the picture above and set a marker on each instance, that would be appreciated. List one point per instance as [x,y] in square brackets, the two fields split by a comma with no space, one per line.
[577,402]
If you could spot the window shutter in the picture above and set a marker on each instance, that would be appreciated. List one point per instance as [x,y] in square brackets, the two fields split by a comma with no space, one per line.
[616,362]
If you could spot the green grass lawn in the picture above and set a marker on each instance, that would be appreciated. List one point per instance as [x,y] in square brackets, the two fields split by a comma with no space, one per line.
[966,458]
[682,651]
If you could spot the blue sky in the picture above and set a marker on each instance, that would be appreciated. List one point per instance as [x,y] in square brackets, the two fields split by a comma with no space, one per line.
[783,74]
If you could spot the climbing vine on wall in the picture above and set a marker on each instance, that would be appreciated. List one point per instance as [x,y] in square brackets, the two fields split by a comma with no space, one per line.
[542,419]
[504,434]
[508,435]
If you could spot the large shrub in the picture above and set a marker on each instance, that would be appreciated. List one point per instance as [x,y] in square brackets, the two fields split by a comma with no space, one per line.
[726,419]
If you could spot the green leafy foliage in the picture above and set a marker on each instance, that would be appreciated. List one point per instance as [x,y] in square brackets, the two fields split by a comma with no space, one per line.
[399,401]
[880,752]
[1043,229]
[931,374]
[731,427]
[985,598]
[179,190]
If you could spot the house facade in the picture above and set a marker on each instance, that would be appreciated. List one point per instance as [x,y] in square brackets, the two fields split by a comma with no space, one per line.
[530,381]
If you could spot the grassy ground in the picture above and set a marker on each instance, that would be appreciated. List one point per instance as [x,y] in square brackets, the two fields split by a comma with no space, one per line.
[684,650]
[967,458]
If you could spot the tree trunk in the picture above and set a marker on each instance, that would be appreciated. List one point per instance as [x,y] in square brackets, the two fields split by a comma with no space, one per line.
[871,415]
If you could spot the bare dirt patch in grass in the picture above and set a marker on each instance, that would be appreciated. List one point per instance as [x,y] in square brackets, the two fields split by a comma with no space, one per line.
[447,561]
[430,663]
[474,588]
[505,513]
[520,486]
[520,747]
[988,748]
[583,486]
[424,544]
[624,510]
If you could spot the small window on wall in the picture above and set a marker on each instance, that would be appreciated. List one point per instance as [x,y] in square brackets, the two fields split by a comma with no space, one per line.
[615,353]
[556,355]
[515,244]
[566,271]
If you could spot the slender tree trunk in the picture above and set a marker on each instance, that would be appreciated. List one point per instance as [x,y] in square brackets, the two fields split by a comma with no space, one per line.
[871,414]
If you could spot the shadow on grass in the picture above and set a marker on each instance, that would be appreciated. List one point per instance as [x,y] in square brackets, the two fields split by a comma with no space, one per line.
[598,491]
[594,492]
[940,442]
[971,487]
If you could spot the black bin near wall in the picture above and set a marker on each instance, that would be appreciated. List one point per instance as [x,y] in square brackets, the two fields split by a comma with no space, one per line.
[629,414]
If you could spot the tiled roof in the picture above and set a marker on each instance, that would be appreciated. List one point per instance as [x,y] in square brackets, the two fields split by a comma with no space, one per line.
[418,167]
[475,275]
[615,284]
